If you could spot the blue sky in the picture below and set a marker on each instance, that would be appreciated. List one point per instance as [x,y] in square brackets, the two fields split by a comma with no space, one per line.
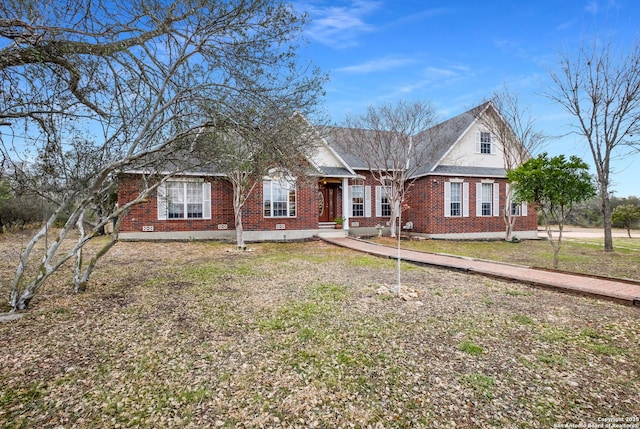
[456,53]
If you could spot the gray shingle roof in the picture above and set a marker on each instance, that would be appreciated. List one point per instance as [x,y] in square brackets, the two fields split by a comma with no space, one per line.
[433,143]
[460,170]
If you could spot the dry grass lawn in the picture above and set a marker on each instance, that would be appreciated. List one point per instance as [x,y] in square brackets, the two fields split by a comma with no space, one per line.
[294,335]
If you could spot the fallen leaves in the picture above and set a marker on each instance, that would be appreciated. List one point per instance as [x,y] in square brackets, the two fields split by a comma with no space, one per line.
[302,335]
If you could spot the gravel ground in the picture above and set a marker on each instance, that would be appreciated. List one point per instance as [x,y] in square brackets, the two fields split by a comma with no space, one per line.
[296,335]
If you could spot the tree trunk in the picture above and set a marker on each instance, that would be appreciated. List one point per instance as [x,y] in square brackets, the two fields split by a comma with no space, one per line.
[606,219]
[239,198]
[239,228]
[509,223]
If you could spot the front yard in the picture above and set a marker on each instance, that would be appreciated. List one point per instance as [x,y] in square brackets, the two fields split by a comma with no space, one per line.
[294,335]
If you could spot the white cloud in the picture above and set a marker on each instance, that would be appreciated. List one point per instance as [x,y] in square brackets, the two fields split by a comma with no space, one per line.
[340,26]
[594,7]
[376,65]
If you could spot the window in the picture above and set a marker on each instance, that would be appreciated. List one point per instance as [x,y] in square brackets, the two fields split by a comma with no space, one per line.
[516,209]
[279,197]
[485,142]
[357,201]
[383,203]
[487,189]
[184,199]
[487,199]
[456,199]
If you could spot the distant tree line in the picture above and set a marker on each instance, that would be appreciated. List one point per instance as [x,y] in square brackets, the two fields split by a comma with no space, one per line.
[588,214]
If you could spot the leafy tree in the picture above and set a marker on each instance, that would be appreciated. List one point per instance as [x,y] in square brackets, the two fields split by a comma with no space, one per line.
[626,216]
[383,138]
[600,87]
[554,185]
[132,83]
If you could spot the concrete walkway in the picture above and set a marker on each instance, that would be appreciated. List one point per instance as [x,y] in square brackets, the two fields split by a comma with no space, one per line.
[621,291]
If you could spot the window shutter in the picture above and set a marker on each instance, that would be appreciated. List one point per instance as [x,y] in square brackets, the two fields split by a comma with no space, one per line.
[379,201]
[350,197]
[477,141]
[447,199]
[493,145]
[161,193]
[523,209]
[367,201]
[206,200]
[496,199]
[478,199]
[465,199]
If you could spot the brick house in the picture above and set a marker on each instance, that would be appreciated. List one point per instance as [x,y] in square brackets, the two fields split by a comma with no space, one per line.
[460,193]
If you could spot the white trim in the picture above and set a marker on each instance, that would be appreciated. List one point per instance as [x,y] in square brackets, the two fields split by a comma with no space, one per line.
[346,202]
[465,199]
[479,199]
[496,199]
[447,199]
[161,193]
[206,200]
[367,201]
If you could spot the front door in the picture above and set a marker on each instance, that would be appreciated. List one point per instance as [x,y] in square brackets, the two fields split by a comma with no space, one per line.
[327,198]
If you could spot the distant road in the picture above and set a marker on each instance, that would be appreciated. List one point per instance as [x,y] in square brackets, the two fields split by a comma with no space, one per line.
[578,232]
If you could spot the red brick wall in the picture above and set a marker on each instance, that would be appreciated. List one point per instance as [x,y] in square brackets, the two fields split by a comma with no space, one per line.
[425,199]
[426,202]
[306,211]
[146,213]
[367,222]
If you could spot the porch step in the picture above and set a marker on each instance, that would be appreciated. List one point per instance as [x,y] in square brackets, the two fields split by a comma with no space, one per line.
[326,225]
[333,233]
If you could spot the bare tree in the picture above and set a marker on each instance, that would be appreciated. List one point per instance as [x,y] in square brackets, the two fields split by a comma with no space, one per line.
[138,78]
[600,87]
[514,130]
[254,143]
[383,138]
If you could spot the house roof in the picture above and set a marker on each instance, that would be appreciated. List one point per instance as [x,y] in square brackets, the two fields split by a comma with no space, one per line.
[460,170]
[337,139]
[433,144]
[334,159]
[443,136]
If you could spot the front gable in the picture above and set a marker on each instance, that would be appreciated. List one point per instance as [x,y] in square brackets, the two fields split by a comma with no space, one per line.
[475,147]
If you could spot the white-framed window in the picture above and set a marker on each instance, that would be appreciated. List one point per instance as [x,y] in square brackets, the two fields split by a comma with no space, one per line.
[357,200]
[484,143]
[456,198]
[184,199]
[279,197]
[487,199]
[383,201]
[516,209]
